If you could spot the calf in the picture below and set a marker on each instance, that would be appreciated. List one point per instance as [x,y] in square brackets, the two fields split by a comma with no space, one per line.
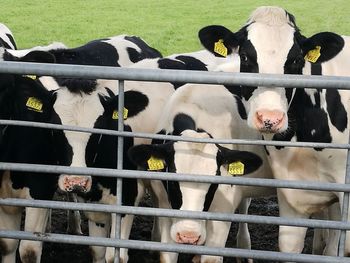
[202,111]
[270,42]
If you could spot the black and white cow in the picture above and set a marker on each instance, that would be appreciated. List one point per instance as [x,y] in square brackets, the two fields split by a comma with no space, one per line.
[92,103]
[202,111]
[6,38]
[22,102]
[270,42]
[25,99]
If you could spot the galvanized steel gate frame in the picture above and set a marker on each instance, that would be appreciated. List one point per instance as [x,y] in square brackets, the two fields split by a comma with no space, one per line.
[122,74]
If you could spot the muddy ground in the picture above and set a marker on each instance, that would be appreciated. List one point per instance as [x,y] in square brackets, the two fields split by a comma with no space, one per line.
[264,237]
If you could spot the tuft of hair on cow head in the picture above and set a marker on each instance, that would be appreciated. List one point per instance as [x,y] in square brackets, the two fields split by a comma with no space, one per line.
[219,40]
[134,103]
[33,56]
[250,160]
[151,156]
[326,44]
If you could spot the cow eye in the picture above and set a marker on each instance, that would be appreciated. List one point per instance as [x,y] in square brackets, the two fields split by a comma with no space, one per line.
[244,58]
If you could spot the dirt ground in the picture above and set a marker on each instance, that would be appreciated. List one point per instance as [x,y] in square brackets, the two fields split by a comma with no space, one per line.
[264,237]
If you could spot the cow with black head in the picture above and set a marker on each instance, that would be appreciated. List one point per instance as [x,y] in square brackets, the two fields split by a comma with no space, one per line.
[25,99]
[270,42]
[202,112]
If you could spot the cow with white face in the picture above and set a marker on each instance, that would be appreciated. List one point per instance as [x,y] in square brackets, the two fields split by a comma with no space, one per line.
[270,42]
[202,111]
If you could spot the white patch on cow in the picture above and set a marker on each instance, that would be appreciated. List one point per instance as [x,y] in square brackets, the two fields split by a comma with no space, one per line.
[49,83]
[78,109]
[313,131]
[23,52]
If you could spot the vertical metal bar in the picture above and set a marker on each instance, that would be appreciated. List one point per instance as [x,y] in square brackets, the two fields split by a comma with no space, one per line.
[345,207]
[119,165]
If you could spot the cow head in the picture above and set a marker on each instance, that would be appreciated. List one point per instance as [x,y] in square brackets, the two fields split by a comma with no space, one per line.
[270,42]
[191,158]
[95,109]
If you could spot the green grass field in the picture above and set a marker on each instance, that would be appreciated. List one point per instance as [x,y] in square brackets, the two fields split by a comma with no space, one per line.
[168,25]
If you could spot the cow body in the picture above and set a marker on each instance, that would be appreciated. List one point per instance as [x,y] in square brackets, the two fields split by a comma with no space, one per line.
[200,111]
[270,42]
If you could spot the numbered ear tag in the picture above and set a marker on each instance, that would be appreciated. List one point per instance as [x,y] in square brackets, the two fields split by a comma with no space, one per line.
[236,168]
[115,114]
[34,104]
[155,164]
[220,48]
[31,76]
[313,55]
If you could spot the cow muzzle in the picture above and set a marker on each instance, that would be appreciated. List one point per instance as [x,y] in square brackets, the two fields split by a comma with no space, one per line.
[270,121]
[75,184]
[188,232]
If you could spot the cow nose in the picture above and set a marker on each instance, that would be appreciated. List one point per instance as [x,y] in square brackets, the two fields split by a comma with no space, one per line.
[269,120]
[77,184]
[187,238]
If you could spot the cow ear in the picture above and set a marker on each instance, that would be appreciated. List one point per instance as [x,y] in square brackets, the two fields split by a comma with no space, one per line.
[322,47]
[218,39]
[134,103]
[238,162]
[32,56]
[152,157]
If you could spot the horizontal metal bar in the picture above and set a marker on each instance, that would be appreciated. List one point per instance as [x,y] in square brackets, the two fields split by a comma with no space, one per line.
[174,138]
[159,212]
[155,246]
[103,172]
[250,79]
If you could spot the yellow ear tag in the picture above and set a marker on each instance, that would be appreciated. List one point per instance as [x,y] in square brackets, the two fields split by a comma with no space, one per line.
[220,48]
[313,55]
[34,104]
[30,76]
[115,114]
[236,168]
[155,164]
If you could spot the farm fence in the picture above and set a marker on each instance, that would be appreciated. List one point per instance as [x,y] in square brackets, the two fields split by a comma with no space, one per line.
[123,74]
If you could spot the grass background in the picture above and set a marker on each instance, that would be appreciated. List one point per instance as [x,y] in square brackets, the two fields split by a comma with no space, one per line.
[171,26]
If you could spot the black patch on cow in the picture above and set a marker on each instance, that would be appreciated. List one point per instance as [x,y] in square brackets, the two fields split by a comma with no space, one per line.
[159,141]
[86,86]
[210,196]
[167,63]
[241,109]
[295,60]
[235,89]
[183,122]
[336,110]
[249,64]
[174,193]
[146,50]
[12,40]
[33,56]
[192,63]
[4,44]
[316,69]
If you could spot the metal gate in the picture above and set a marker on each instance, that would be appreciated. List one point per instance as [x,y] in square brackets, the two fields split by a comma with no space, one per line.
[123,74]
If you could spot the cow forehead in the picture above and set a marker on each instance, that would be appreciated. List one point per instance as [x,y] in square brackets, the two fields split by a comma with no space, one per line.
[195,158]
[78,109]
[272,45]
